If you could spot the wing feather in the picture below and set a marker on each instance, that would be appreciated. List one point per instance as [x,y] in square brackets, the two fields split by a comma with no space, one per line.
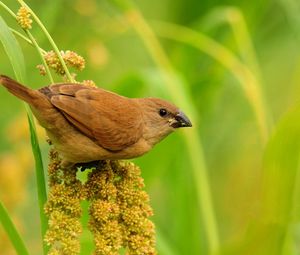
[112,121]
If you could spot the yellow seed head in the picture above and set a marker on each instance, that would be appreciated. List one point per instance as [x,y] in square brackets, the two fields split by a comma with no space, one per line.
[41,69]
[23,18]
[63,208]
[89,83]
[71,58]
[74,60]
[119,210]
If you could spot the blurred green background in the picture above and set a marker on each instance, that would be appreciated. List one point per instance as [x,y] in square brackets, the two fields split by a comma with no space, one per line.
[229,185]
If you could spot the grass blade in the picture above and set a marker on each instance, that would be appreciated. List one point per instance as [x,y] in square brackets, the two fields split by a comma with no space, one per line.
[12,232]
[16,58]
[13,51]
[40,178]
[276,225]
[281,169]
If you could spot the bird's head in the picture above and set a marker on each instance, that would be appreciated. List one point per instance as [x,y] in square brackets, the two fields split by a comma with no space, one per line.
[161,118]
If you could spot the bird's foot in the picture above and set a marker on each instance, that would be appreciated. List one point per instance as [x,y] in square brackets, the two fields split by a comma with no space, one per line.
[87,165]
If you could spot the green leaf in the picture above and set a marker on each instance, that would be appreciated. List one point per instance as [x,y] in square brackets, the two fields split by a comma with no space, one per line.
[281,169]
[14,52]
[277,222]
[12,232]
[40,178]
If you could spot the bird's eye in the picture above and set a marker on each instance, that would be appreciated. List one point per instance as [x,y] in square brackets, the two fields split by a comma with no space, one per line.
[163,112]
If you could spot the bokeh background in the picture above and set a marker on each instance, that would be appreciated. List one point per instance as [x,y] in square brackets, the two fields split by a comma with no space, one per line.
[229,185]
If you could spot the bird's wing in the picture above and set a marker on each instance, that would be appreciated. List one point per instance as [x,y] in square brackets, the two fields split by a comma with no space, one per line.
[112,121]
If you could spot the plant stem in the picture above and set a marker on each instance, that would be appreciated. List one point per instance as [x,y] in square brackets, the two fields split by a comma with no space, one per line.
[40,52]
[8,10]
[12,232]
[21,36]
[26,39]
[236,21]
[53,44]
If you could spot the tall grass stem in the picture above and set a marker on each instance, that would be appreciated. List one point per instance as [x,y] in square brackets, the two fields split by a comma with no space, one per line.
[40,53]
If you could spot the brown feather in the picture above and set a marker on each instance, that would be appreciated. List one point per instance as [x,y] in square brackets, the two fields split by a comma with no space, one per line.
[28,95]
[112,121]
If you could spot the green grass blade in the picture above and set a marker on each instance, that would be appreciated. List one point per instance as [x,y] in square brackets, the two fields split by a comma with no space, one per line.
[13,51]
[40,178]
[275,226]
[281,170]
[234,18]
[16,58]
[12,232]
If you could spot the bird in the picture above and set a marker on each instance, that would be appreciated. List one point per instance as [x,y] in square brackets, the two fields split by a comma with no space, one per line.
[87,124]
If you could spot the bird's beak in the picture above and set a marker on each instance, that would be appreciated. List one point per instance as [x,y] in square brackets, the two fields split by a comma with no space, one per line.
[181,120]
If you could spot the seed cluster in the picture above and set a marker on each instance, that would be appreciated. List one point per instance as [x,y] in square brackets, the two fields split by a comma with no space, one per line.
[71,58]
[119,209]
[89,83]
[23,18]
[63,209]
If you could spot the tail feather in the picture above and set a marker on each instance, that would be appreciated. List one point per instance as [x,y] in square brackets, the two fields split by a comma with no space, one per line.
[26,94]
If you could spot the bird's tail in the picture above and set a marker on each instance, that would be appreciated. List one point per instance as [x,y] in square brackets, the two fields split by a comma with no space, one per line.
[26,94]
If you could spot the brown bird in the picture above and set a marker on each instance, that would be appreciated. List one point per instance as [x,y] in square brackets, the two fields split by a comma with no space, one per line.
[87,124]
